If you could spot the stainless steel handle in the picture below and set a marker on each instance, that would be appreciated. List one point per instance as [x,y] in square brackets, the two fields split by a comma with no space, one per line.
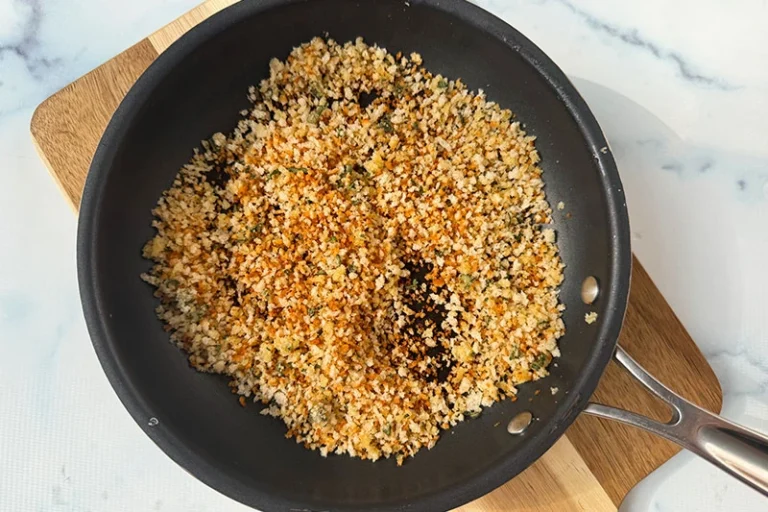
[737,450]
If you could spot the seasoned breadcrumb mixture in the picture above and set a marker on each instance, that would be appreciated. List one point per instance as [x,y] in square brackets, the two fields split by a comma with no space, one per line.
[366,253]
[590,317]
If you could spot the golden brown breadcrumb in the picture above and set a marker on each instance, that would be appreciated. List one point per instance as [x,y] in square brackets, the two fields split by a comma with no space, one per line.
[366,253]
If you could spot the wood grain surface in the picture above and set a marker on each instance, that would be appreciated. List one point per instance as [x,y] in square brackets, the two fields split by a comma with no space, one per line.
[590,469]
[66,127]
[559,481]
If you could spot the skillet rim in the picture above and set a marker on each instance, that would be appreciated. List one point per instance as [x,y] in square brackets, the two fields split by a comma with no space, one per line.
[616,296]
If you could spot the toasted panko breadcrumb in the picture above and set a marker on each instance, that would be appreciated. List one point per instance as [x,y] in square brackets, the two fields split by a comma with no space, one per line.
[363,253]
[590,318]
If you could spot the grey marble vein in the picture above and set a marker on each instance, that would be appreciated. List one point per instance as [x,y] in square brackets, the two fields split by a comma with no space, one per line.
[25,48]
[633,38]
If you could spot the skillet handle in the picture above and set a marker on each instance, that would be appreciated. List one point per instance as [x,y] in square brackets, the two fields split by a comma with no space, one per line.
[735,449]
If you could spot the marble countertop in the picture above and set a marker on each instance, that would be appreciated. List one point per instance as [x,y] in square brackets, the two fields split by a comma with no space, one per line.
[681,90]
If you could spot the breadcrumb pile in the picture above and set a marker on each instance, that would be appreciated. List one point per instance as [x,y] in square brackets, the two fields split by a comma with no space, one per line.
[366,253]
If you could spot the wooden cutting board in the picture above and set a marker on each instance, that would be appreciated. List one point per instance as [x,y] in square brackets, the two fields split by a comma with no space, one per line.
[591,468]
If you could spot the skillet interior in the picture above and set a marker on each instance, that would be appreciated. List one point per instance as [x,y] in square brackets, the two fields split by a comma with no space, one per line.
[196,88]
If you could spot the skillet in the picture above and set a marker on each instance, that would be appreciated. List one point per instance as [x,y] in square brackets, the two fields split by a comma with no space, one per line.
[197,87]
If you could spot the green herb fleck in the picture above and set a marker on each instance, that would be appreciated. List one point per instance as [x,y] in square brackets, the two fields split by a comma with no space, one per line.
[442,84]
[466,280]
[316,91]
[333,239]
[540,362]
[472,414]
[386,125]
[314,310]
[318,415]
[316,114]
[273,174]
[198,314]
[387,429]
[414,284]
[294,170]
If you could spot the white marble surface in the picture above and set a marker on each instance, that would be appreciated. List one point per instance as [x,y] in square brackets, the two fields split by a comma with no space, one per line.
[681,88]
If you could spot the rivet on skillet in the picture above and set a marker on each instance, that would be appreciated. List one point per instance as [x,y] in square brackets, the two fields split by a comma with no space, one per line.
[519,423]
[589,290]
